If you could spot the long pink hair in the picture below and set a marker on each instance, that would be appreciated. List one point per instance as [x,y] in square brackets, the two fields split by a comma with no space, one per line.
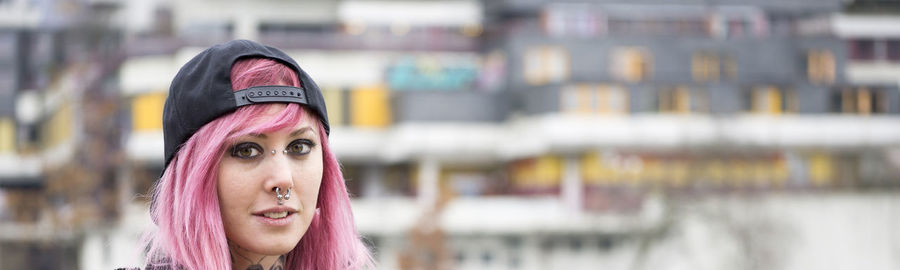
[189,231]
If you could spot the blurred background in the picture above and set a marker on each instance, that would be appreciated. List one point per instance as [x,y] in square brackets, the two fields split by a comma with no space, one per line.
[495,134]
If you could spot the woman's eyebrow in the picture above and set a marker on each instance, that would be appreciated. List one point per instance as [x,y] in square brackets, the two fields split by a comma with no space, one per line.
[293,134]
[300,131]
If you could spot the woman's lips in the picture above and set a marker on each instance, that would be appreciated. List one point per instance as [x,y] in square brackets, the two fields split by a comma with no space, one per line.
[284,221]
[276,216]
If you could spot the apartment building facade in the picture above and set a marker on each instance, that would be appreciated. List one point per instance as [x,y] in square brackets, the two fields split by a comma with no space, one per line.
[508,134]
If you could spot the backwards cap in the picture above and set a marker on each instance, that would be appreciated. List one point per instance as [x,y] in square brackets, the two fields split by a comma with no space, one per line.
[202,91]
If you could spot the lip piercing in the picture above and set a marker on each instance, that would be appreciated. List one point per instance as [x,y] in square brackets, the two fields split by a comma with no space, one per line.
[282,197]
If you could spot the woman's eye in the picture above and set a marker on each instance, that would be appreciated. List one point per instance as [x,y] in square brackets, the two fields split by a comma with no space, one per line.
[300,147]
[246,151]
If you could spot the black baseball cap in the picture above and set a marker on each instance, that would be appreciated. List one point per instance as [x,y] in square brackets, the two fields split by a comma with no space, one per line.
[202,91]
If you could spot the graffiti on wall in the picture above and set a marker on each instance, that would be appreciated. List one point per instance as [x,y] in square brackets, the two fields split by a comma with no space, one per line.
[432,73]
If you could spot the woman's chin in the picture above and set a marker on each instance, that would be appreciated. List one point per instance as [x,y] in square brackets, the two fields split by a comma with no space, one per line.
[276,249]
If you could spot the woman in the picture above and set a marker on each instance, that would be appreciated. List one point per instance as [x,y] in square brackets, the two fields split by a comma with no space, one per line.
[250,181]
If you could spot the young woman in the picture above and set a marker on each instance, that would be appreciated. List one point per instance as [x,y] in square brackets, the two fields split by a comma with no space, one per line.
[250,181]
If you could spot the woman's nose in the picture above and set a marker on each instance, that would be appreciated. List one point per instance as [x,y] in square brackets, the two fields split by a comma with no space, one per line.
[279,171]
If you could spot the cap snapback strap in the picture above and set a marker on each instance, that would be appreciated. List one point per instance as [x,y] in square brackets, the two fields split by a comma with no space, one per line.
[270,93]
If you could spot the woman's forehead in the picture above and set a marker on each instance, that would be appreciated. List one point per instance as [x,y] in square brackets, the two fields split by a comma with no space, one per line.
[269,121]
[294,132]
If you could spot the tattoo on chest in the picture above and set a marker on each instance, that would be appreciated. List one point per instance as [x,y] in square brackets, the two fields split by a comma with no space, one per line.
[279,264]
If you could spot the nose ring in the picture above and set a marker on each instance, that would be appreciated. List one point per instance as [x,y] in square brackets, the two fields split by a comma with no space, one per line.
[282,197]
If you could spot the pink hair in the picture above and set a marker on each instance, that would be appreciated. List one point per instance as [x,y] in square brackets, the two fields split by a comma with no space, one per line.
[185,208]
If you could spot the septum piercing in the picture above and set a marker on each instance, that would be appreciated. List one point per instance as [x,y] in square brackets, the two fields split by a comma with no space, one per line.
[282,197]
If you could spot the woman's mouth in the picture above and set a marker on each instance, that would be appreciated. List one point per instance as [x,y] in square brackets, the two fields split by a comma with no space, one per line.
[276,215]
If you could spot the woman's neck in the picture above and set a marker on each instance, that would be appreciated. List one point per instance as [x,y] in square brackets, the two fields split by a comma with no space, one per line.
[267,263]
[241,259]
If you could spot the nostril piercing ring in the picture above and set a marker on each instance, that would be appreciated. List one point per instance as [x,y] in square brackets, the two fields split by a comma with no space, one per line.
[282,197]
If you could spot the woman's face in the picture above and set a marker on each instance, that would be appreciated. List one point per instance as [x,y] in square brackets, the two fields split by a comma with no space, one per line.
[248,176]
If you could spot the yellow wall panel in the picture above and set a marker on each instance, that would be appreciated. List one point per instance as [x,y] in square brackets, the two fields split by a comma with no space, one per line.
[716,171]
[590,168]
[370,107]
[544,171]
[774,100]
[820,169]
[548,170]
[59,127]
[595,171]
[678,172]
[333,102]
[7,135]
[653,172]
[741,171]
[146,111]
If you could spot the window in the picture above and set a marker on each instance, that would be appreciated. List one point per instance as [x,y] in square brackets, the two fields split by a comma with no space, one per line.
[546,64]
[472,181]
[820,66]
[729,66]
[578,99]
[658,26]
[893,50]
[738,28]
[370,180]
[590,98]
[680,100]
[705,66]
[771,100]
[472,30]
[570,20]
[631,64]
[487,257]
[370,107]
[863,101]
[862,49]
[460,257]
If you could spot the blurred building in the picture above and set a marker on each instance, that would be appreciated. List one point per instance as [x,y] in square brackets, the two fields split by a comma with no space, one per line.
[873,54]
[57,130]
[507,134]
